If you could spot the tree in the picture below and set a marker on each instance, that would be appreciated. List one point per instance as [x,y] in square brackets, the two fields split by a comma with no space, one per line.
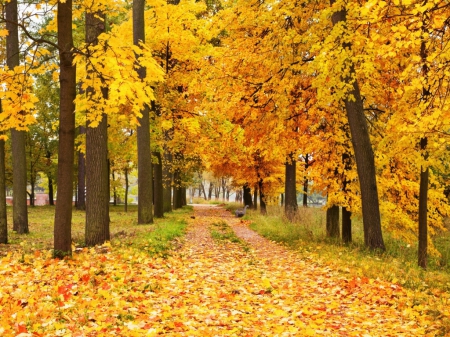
[362,147]
[3,212]
[20,213]
[97,186]
[290,189]
[67,83]
[145,190]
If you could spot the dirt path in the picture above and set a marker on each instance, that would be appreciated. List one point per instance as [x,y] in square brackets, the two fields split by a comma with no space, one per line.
[262,289]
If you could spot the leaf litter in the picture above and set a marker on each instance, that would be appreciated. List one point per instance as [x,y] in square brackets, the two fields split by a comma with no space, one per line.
[206,288]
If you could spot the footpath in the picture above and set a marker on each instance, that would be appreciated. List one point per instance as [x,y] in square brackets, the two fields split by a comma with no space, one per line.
[256,287]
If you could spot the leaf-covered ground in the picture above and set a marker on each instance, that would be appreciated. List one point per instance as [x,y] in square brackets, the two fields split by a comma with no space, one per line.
[214,285]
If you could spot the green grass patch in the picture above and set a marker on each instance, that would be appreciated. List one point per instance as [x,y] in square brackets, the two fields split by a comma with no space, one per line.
[221,231]
[398,264]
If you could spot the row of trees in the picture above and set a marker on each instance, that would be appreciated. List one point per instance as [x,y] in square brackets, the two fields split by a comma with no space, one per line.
[351,96]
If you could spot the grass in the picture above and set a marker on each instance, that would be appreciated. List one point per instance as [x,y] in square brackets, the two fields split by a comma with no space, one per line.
[221,231]
[398,264]
[157,238]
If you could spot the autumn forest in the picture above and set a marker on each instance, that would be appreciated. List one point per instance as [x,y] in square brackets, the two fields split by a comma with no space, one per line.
[348,100]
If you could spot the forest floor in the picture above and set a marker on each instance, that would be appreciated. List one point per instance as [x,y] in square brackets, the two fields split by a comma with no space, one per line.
[222,280]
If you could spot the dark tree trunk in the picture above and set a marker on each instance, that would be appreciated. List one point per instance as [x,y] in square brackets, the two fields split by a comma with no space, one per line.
[158,192]
[145,174]
[51,201]
[346,214]
[177,199]
[167,183]
[333,222]
[97,195]
[290,188]
[67,80]
[305,183]
[49,173]
[282,199]
[247,195]
[127,186]
[211,187]
[3,212]
[255,198]
[97,168]
[224,188]
[364,156]
[262,201]
[423,211]
[18,138]
[113,177]
[81,190]
[346,225]
[32,188]
[183,196]
[203,191]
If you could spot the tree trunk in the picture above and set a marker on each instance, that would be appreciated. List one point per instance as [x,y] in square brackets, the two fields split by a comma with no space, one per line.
[127,185]
[81,191]
[362,147]
[32,188]
[290,188]
[183,196]
[247,195]
[67,80]
[423,211]
[262,201]
[97,192]
[305,183]
[159,191]
[3,211]
[51,201]
[346,225]
[97,186]
[177,202]
[18,138]
[255,197]
[346,214]
[203,190]
[167,183]
[211,187]
[113,177]
[333,221]
[145,174]
[224,188]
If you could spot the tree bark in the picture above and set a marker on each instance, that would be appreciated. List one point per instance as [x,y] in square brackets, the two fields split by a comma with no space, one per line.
[51,201]
[346,213]
[290,188]
[262,201]
[145,174]
[67,80]
[127,185]
[247,196]
[159,191]
[177,199]
[423,211]
[18,138]
[211,187]
[365,162]
[97,186]
[305,183]
[255,197]
[167,183]
[333,221]
[81,186]
[3,211]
